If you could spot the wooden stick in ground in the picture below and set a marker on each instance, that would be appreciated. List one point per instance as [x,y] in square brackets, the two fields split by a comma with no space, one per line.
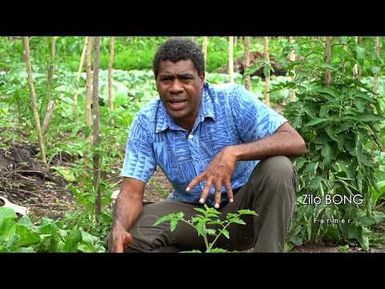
[377,49]
[247,78]
[267,62]
[51,103]
[48,116]
[110,67]
[96,137]
[89,84]
[79,74]
[51,67]
[27,59]
[328,55]
[205,43]
[292,58]
[231,58]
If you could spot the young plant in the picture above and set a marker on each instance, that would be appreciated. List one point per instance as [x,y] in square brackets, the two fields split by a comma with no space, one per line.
[207,217]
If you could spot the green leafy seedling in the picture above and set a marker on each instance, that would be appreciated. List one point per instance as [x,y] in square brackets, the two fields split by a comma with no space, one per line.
[200,221]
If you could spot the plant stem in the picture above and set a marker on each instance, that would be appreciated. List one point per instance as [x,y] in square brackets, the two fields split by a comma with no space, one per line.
[203,235]
[216,238]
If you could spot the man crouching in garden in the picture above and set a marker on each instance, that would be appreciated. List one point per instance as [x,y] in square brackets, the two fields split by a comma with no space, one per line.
[218,145]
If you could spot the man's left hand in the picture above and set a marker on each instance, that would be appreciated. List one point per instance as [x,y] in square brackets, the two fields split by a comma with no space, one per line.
[218,173]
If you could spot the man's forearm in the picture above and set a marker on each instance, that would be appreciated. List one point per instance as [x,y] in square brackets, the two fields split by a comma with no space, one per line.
[127,209]
[281,143]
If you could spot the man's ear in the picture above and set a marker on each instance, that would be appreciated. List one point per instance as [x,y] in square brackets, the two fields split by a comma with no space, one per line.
[202,77]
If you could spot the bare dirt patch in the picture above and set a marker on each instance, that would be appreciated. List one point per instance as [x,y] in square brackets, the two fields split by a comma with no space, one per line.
[26,181]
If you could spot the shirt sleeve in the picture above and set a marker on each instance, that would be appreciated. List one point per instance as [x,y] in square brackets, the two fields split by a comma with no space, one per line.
[253,119]
[139,161]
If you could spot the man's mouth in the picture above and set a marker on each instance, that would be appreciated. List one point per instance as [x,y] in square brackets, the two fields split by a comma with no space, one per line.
[177,104]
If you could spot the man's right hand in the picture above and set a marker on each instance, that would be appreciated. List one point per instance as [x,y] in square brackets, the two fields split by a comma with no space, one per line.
[119,238]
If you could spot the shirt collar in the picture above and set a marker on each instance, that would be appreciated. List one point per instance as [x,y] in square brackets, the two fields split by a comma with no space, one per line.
[206,110]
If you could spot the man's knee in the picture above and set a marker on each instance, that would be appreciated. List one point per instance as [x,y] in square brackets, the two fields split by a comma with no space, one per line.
[146,236]
[278,168]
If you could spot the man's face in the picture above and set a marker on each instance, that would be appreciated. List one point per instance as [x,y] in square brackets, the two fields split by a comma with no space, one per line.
[180,89]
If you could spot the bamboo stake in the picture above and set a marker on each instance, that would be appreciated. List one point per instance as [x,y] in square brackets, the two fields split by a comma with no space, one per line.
[51,67]
[247,78]
[89,83]
[328,54]
[377,50]
[79,73]
[110,71]
[27,59]
[205,44]
[231,58]
[292,57]
[96,136]
[267,61]
[48,116]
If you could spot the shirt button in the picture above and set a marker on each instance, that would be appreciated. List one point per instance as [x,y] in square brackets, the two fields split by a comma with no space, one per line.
[190,136]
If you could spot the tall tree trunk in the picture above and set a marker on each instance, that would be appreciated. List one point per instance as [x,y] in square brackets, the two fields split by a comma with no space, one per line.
[328,55]
[231,58]
[292,57]
[79,74]
[96,137]
[205,44]
[27,59]
[267,62]
[110,67]
[377,50]
[89,83]
[247,78]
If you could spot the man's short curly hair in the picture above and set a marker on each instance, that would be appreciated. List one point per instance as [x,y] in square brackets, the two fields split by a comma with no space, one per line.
[176,49]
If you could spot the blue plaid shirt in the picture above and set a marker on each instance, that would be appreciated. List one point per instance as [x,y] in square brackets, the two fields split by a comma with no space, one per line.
[228,115]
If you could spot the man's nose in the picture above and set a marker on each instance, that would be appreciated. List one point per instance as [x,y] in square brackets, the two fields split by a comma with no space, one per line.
[176,86]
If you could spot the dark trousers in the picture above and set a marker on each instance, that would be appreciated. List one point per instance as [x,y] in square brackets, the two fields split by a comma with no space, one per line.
[270,192]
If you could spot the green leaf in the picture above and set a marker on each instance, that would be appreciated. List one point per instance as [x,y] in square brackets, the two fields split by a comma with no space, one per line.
[169,218]
[26,250]
[200,210]
[226,233]
[88,238]
[72,240]
[266,70]
[173,224]
[375,69]
[316,121]
[26,236]
[247,212]
[86,248]
[215,222]
[327,154]
[360,52]
[7,229]
[211,232]
[238,221]
[26,221]
[66,173]
[201,229]
[337,138]
[217,250]
[364,238]
[7,213]
[374,118]
[326,91]
[192,251]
